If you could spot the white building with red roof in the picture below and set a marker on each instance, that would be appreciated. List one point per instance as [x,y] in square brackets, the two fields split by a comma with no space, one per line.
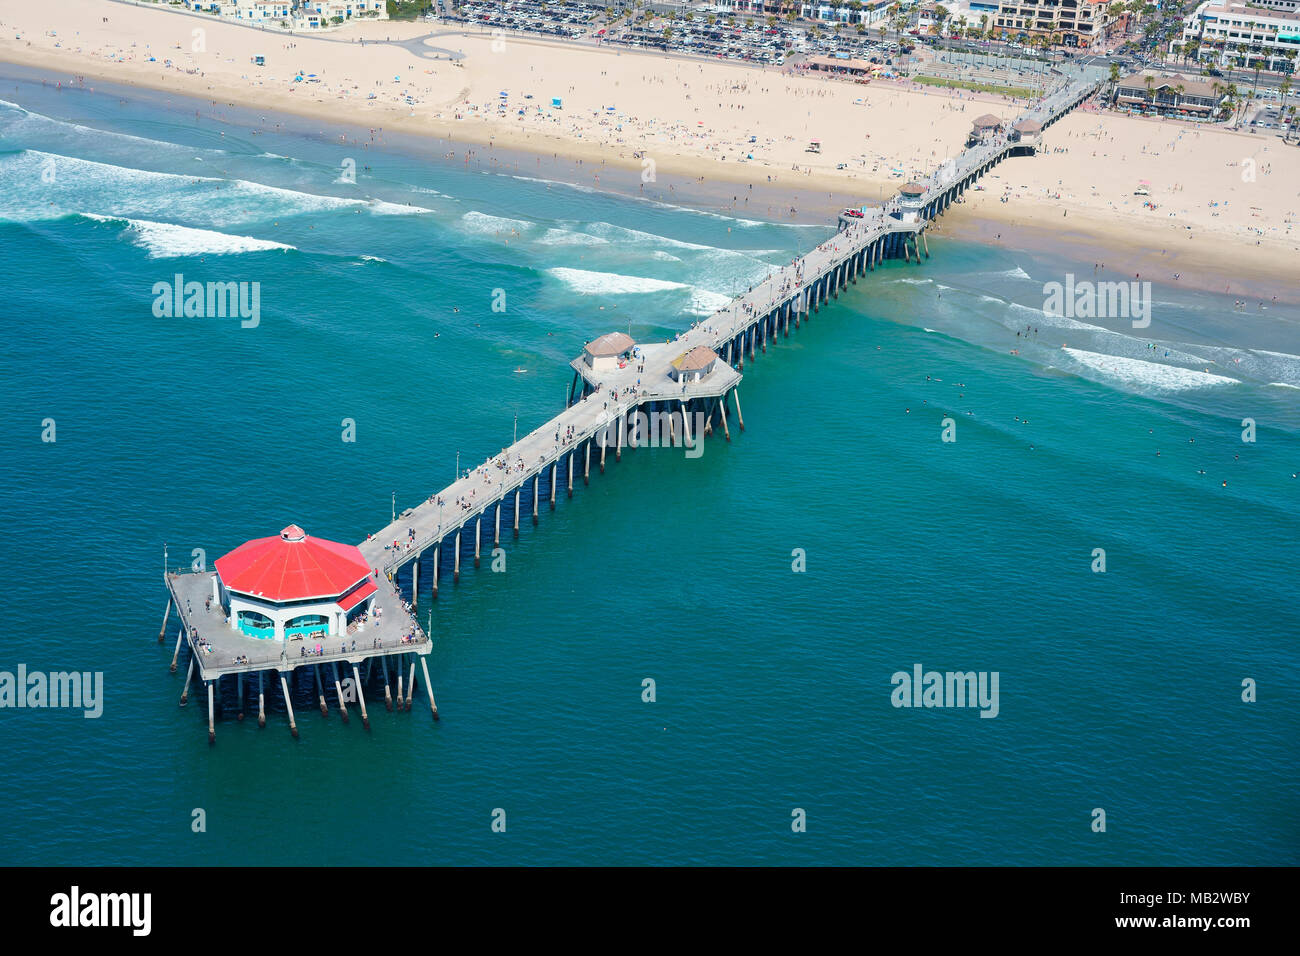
[293,585]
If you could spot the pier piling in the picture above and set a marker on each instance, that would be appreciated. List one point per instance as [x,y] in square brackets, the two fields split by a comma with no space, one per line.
[212,730]
[338,687]
[361,697]
[424,666]
[180,636]
[185,691]
[288,704]
[166,614]
[261,702]
[320,690]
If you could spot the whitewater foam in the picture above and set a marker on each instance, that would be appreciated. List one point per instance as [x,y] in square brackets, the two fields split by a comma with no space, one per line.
[585,282]
[164,240]
[1142,374]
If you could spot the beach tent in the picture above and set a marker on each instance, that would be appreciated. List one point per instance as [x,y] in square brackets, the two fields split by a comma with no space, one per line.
[503,94]
[557,102]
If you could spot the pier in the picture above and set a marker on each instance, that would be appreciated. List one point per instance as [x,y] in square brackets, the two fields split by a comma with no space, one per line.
[624,394]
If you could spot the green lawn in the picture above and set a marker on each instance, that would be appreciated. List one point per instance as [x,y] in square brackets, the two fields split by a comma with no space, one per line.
[407,9]
[1017,91]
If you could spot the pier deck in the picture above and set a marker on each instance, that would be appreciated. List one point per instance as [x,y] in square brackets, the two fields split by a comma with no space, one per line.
[605,413]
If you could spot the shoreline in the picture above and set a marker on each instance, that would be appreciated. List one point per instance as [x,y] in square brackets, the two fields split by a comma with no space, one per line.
[1204,259]
[1269,278]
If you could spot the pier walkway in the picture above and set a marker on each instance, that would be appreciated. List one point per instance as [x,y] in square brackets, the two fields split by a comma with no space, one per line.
[624,394]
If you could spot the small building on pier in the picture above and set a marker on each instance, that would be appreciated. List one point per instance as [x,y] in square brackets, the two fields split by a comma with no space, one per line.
[293,586]
[1027,133]
[911,198]
[607,352]
[693,364]
[984,129]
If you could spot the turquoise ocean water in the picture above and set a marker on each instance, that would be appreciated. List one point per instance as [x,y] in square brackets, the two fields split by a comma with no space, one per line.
[1119,690]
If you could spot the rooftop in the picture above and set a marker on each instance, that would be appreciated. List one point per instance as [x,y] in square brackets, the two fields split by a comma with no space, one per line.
[292,566]
[609,344]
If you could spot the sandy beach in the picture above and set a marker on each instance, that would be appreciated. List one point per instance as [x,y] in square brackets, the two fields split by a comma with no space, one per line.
[1215,200]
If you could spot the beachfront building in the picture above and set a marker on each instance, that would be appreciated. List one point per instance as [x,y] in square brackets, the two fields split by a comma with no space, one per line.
[292,14]
[1167,94]
[1235,33]
[262,11]
[609,352]
[321,13]
[1074,23]
[1028,133]
[693,364]
[292,586]
[863,12]
[984,129]
[849,67]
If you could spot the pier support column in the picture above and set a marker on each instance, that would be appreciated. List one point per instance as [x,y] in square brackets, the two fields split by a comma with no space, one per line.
[437,550]
[338,687]
[180,636]
[516,513]
[410,687]
[288,704]
[261,701]
[722,407]
[424,666]
[536,481]
[496,535]
[167,612]
[686,424]
[604,443]
[478,530]
[735,394]
[398,662]
[927,245]
[388,690]
[361,697]
[239,690]
[570,474]
[212,730]
[618,449]
[185,691]
[455,568]
[555,466]
[586,463]
[320,690]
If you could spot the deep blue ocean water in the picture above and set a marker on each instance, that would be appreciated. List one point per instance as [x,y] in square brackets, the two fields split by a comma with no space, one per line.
[1119,690]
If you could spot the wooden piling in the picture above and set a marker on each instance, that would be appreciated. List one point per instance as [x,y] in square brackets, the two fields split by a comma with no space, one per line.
[424,666]
[288,704]
[180,636]
[361,697]
[185,691]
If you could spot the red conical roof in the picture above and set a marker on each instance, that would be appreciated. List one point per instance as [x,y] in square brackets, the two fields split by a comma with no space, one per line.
[292,566]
